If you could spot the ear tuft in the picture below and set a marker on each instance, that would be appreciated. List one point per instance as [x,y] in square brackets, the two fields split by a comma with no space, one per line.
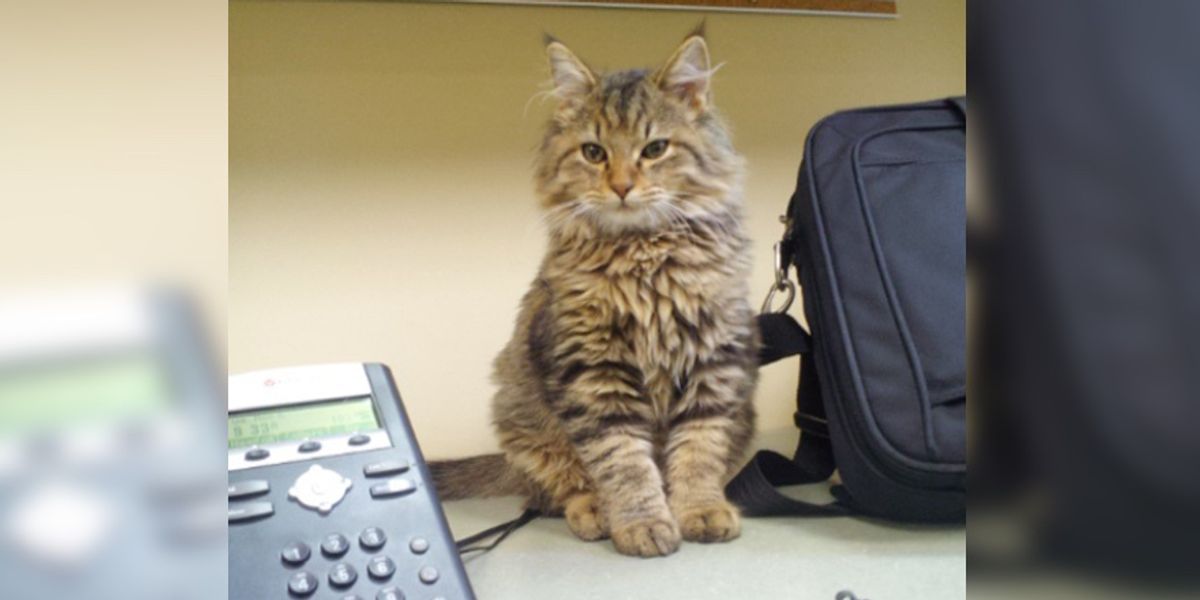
[687,74]
[572,78]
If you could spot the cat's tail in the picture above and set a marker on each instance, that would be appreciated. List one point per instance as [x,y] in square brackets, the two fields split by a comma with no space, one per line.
[477,477]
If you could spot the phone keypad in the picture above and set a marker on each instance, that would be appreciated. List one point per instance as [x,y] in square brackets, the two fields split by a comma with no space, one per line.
[343,574]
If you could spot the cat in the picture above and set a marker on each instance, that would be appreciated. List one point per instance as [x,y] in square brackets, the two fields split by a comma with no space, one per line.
[625,393]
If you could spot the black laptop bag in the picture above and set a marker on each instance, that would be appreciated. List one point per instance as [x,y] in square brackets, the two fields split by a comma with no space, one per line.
[876,230]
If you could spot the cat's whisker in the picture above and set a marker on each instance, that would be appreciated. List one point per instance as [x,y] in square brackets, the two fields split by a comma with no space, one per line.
[715,219]
[679,217]
[561,214]
[540,96]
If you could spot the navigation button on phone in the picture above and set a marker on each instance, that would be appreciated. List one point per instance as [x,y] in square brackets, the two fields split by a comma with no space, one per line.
[319,488]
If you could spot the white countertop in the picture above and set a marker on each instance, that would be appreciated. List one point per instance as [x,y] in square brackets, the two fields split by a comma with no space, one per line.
[792,558]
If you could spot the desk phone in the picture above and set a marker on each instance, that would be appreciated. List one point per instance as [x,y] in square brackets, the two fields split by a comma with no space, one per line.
[329,496]
[110,447]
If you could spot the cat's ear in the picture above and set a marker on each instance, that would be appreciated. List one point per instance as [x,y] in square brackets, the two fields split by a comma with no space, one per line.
[688,72]
[571,77]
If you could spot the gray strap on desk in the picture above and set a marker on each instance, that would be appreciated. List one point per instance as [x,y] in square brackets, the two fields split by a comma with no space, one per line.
[505,529]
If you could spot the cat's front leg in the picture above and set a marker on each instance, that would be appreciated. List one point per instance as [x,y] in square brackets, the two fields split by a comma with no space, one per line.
[709,427]
[608,419]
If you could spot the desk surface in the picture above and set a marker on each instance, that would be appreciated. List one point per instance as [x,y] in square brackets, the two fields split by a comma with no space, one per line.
[784,558]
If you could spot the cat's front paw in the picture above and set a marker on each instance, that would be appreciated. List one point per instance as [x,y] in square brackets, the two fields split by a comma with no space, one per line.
[648,537]
[717,522]
[585,518]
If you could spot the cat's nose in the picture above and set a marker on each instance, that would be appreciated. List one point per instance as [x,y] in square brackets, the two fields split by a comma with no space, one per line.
[621,188]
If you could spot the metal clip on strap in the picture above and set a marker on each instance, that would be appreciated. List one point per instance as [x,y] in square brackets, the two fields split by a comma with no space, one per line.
[782,283]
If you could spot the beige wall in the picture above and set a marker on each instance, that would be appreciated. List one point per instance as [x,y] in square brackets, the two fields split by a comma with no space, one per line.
[380,203]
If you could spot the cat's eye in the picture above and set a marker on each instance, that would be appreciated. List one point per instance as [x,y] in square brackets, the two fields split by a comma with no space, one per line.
[593,153]
[654,149]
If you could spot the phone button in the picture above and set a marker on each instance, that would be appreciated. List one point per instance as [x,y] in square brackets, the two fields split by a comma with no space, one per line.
[381,567]
[392,487]
[335,545]
[296,553]
[245,489]
[391,593]
[372,538]
[342,575]
[428,575]
[250,510]
[386,467]
[302,584]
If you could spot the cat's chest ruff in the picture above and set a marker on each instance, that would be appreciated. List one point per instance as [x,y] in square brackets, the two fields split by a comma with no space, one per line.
[656,295]
[645,286]
[661,308]
[640,259]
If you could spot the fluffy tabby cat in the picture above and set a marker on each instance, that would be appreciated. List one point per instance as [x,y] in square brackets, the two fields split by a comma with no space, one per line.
[624,395]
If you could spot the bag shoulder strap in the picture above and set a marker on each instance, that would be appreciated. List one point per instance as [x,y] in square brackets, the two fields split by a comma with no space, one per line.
[754,488]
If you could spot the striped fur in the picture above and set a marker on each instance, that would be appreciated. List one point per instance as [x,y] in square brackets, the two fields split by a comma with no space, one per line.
[625,393]
[478,477]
